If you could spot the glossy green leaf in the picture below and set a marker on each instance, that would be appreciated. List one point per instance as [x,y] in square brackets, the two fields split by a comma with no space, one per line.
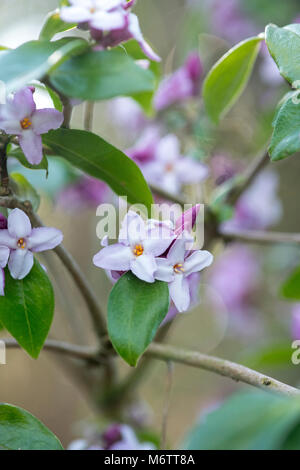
[284,47]
[286,135]
[228,78]
[26,310]
[20,430]
[24,190]
[98,158]
[248,421]
[99,75]
[135,311]
[17,153]
[34,59]
[291,287]
[54,25]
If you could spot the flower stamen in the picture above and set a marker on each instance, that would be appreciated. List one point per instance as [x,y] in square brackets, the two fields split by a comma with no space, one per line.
[26,123]
[138,250]
[21,243]
[178,268]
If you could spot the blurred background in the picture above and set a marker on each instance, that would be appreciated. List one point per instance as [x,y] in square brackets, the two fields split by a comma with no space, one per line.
[241,315]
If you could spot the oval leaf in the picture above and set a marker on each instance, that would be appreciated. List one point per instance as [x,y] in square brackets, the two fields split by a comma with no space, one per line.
[99,75]
[284,47]
[35,59]
[291,287]
[228,78]
[135,311]
[98,158]
[24,190]
[20,430]
[26,310]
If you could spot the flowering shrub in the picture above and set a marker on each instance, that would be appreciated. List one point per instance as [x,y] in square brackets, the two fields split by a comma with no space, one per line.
[166,258]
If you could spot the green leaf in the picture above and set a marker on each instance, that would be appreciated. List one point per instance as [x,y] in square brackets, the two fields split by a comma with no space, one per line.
[100,75]
[24,190]
[135,311]
[248,421]
[17,153]
[93,155]
[291,287]
[20,430]
[228,78]
[271,355]
[26,310]
[284,47]
[35,59]
[286,135]
[54,25]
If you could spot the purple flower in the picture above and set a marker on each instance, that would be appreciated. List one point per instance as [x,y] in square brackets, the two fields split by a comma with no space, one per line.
[111,22]
[259,207]
[137,248]
[295,321]
[182,84]
[179,263]
[170,170]
[20,117]
[223,168]
[86,192]
[19,241]
[145,148]
[193,283]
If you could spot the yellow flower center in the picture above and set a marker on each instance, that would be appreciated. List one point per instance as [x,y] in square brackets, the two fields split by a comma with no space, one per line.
[138,250]
[178,268]
[169,167]
[21,243]
[26,123]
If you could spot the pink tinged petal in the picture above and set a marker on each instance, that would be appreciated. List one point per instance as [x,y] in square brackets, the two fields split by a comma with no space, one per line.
[107,21]
[2,282]
[164,271]
[75,14]
[19,225]
[20,263]
[45,119]
[114,257]
[187,220]
[144,267]
[135,31]
[44,238]
[158,241]
[31,144]
[10,126]
[129,4]
[7,240]
[3,221]
[23,103]
[179,292]
[178,249]
[123,234]
[197,261]
[4,254]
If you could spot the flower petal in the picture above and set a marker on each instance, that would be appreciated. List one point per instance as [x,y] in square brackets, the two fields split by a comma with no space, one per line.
[178,249]
[133,229]
[4,254]
[114,257]
[179,292]
[20,263]
[18,224]
[7,240]
[31,144]
[2,282]
[107,21]
[44,238]
[164,271]
[197,261]
[23,103]
[75,14]
[45,119]
[144,267]
[187,220]
[158,240]
[191,171]
[136,33]
[10,126]
[168,149]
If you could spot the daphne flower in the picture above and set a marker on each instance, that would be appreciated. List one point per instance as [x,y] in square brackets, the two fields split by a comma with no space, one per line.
[136,249]
[177,266]
[22,241]
[170,170]
[20,117]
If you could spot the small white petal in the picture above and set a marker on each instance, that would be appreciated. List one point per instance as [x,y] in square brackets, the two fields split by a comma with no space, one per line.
[107,21]
[144,267]
[164,271]
[4,254]
[7,240]
[114,257]
[18,224]
[20,263]
[2,282]
[179,292]
[178,249]
[75,14]
[197,261]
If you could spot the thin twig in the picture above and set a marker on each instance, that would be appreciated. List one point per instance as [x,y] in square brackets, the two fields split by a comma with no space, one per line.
[260,236]
[89,115]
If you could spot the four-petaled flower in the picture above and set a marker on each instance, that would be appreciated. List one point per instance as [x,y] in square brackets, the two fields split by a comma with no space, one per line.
[20,117]
[179,263]
[19,241]
[137,248]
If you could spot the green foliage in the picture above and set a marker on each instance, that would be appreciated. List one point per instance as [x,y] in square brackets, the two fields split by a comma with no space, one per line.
[34,59]
[284,47]
[291,287]
[98,158]
[135,311]
[228,78]
[26,310]
[20,430]
[17,153]
[286,136]
[249,421]
[100,75]
[24,190]
[54,25]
